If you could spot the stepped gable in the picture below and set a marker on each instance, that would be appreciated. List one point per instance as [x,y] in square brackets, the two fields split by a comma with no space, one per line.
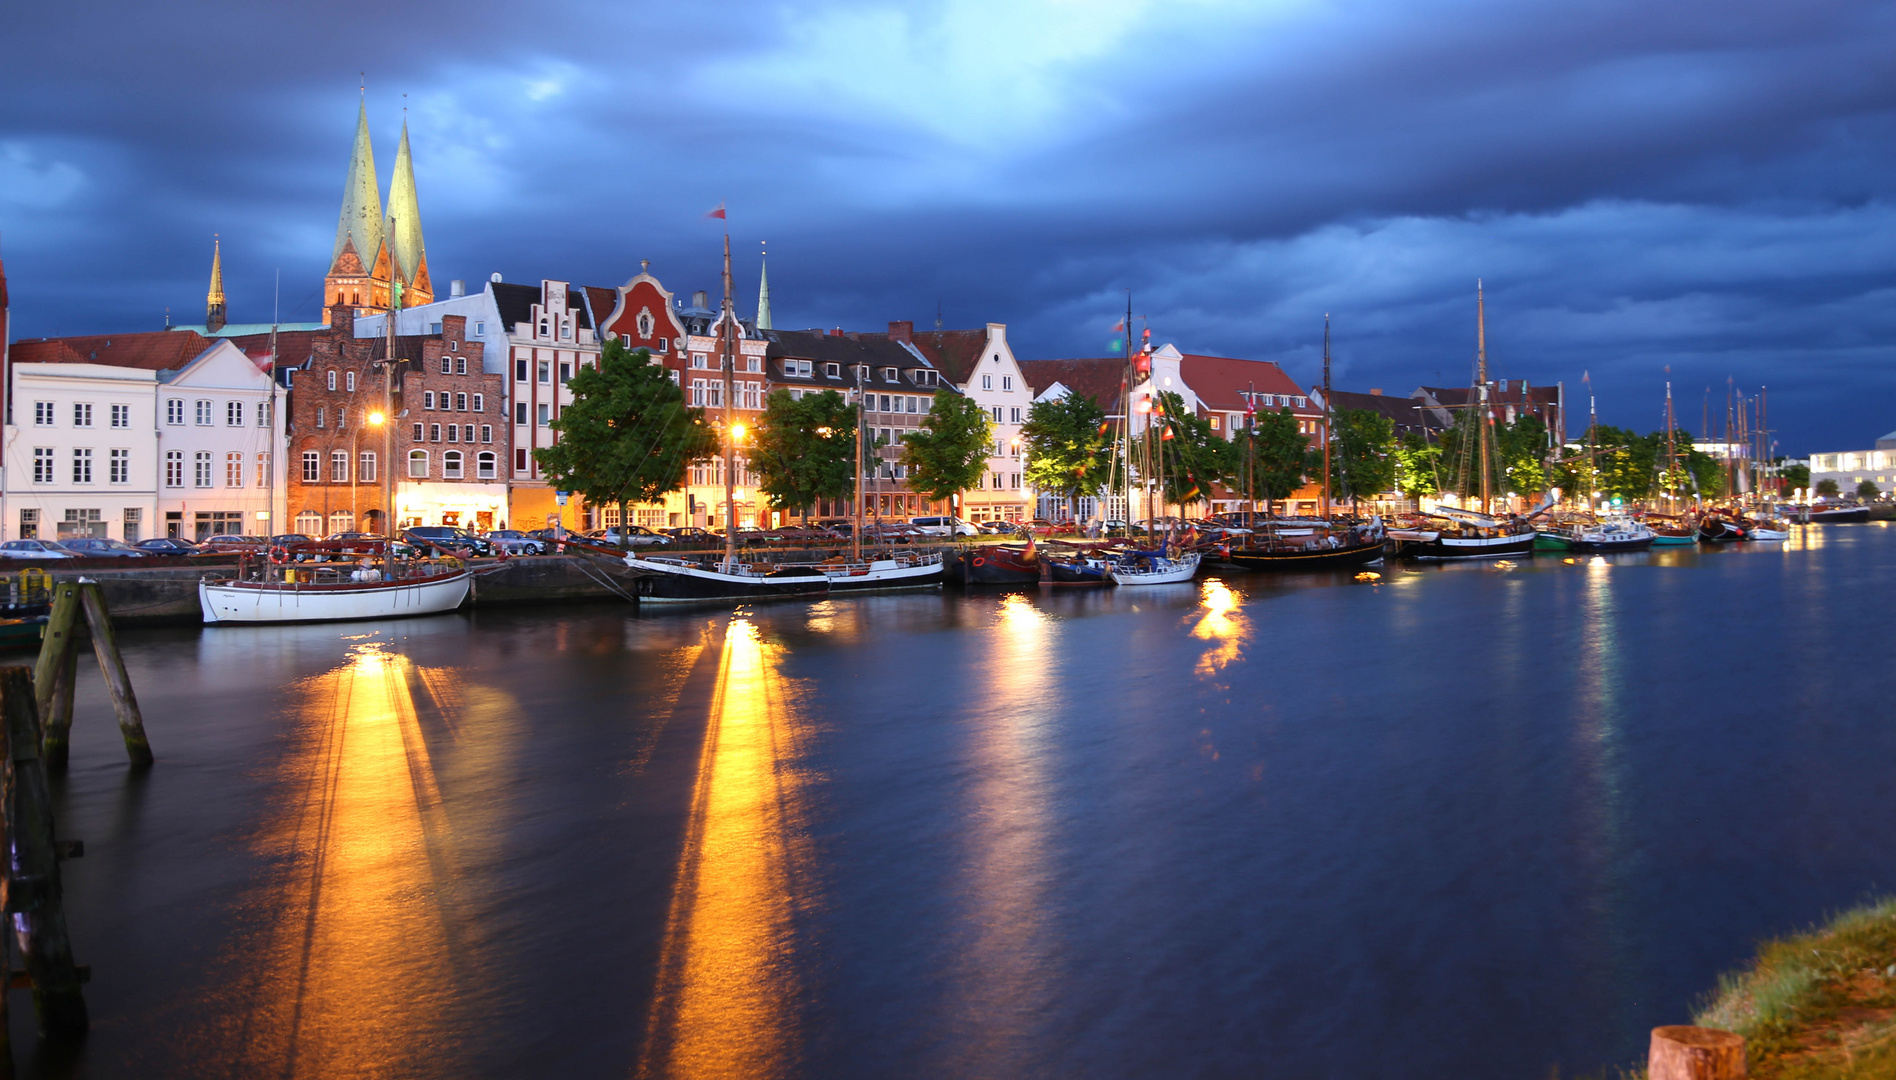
[1099,378]
[515,304]
[150,350]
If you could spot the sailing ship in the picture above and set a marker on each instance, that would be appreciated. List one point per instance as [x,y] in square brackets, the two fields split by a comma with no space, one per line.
[1280,546]
[1465,534]
[1154,568]
[355,581]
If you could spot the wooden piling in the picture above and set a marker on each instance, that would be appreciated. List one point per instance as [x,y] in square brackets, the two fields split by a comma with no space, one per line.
[34,895]
[125,703]
[55,643]
[56,720]
[1680,1052]
[6,881]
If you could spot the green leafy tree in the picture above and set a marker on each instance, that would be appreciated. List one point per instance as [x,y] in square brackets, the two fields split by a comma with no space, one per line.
[1867,490]
[804,449]
[1523,449]
[628,436]
[1068,448]
[1193,457]
[1268,461]
[949,454]
[1792,477]
[1418,464]
[1828,488]
[1362,458]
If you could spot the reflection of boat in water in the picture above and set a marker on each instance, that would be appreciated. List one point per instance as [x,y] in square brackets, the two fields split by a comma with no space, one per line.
[1153,568]
[327,594]
[669,579]
[22,633]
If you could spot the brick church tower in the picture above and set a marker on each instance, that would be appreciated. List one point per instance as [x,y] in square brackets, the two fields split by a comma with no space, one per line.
[373,250]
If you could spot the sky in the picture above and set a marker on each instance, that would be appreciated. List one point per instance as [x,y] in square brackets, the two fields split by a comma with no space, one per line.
[1699,187]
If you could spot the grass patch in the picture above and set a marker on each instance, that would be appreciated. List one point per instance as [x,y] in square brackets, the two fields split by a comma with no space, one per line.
[1821,1004]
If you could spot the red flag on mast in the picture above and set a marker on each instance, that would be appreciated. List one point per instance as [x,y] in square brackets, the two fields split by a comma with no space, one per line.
[717,213]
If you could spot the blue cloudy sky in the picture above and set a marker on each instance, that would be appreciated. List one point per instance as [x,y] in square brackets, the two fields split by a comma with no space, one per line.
[1705,186]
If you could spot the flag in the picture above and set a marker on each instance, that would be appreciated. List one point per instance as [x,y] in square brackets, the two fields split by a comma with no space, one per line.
[1104,425]
[717,213]
[1119,327]
[1146,334]
[1167,437]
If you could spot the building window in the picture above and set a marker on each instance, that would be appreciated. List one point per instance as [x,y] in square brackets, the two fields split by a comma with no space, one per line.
[82,466]
[418,464]
[312,467]
[81,414]
[520,412]
[42,464]
[566,372]
[42,414]
[480,403]
[233,469]
[133,518]
[427,399]
[697,393]
[911,403]
[349,381]
[341,521]
[486,465]
[487,433]
[546,416]
[174,411]
[1007,383]
[997,414]
[332,380]
[460,403]
[997,481]
[546,371]
[451,465]
[342,417]
[700,360]
[174,468]
[447,365]
[233,414]
[987,382]
[1013,415]
[520,459]
[29,524]
[520,369]
[119,467]
[263,414]
[201,468]
[460,365]
[320,413]
[434,432]
[454,433]
[339,466]
[365,469]
[309,523]
[263,470]
[121,416]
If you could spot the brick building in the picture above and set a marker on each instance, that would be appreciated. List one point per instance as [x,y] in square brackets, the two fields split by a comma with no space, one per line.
[451,435]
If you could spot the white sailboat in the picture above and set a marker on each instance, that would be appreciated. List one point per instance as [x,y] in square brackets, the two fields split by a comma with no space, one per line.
[1150,568]
[313,596]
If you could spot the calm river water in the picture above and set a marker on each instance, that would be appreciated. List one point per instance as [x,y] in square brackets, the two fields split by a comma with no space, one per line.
[1481,821]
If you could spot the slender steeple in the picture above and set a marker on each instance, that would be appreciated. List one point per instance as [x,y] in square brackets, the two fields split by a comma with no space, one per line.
[214,301]
[763,292]
[360,226]
[404,230]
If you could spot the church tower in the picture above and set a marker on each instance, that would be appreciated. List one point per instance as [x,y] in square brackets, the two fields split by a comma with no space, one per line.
[353,277]
[214,302]
[408,258]
[763,293]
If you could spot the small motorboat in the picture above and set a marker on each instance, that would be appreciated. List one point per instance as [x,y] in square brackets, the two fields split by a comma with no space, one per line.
[1153,568]
[1715,528]
[1837,515]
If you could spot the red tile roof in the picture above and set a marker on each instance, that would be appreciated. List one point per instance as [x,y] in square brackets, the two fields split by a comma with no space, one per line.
[955,353]
[151,350]
[293,346]
[1221,381]
[1099,378]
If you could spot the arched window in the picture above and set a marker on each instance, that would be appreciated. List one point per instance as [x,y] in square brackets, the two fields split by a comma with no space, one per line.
[332,380]
[451,465]
[342,521]
[485,465]
[309,523]
[418,464]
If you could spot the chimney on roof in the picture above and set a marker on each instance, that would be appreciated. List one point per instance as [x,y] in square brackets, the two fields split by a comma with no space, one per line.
[1375,391]
[837,332]
[701,299]
[903,331]
[457,287]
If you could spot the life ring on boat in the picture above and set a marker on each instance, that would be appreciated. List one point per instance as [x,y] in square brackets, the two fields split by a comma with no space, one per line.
[279,554]
[979,561]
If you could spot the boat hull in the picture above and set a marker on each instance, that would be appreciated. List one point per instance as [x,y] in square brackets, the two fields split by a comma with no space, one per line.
[1330,559]
[996,566]
[1180,569]
[1609,547]
[1839,517]
[1450,548]
[885,575]
[280,601]
[666,582]
[1673,540]
[1064,573]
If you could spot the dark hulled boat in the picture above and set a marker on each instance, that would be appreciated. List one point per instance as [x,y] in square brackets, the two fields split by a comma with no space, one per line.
[1284,556]
[674,580]
[1001,564]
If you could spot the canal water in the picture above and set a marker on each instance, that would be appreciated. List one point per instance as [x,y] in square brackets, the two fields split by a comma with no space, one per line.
[1476,821]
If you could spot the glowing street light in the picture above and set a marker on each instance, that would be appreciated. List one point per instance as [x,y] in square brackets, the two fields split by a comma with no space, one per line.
[375,419]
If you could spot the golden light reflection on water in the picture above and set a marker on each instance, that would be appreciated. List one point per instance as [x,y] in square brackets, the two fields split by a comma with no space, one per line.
[727,976]
[1222,623]
[352,972]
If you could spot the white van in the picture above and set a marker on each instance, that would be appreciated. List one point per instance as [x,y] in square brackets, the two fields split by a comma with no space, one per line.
[944,526]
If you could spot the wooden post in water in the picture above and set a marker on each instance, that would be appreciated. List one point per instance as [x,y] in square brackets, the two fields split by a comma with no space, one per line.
[1680,1052]
[34,895]
[56,724]
[55,643]
[6,896]
[124,703]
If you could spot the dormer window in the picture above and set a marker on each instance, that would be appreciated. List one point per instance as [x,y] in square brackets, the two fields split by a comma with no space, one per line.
[566,330]
[834,371]
[862,372]
[546,328]
[890,374]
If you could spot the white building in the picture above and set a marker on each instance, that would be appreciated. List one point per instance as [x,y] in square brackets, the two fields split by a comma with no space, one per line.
[1849,468]
[981,363]
[104,449]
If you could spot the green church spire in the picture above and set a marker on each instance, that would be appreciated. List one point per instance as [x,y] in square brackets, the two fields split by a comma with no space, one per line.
[404,211]
[763,293]
[361,221]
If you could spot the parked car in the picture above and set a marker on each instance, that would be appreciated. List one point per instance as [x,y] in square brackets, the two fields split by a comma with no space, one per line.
[34,549]
[286,539]
[234,542]
[996,528]
[102,547]
[171,545]
[446,540]
[515,542]
[691,534]
[634,536]
[945,526]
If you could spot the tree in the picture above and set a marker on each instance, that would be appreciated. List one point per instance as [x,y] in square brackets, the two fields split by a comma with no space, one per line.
[1792,477]
[1268,461]
[804,450]
[949,455]
[628,436]
[1867,490]
[1827,488]
[1418,462]
[1361,457]
[1068,447]
[1193,457]
[1523,449]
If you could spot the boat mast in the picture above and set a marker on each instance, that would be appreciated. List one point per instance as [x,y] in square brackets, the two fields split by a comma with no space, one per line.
[1250,450]
[1326,416]
[1483,420]
[855,542]
[1672,451]
[727,324]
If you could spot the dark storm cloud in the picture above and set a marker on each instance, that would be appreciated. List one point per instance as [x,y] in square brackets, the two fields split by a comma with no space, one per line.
[1699,186]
